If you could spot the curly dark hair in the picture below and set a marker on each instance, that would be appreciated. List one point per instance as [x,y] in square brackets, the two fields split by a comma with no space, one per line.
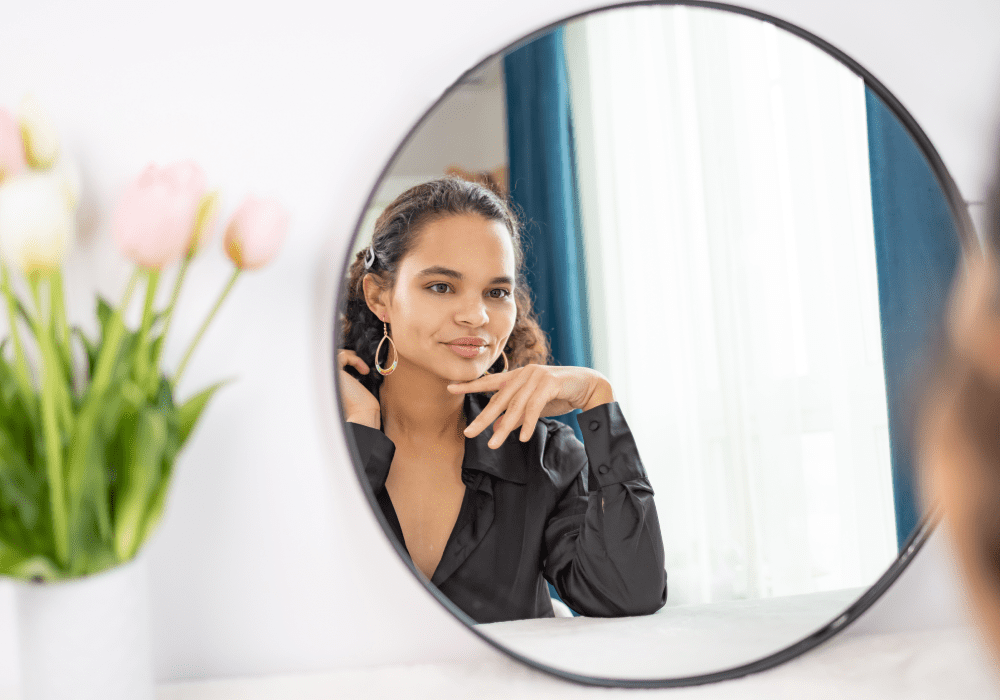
[396,232]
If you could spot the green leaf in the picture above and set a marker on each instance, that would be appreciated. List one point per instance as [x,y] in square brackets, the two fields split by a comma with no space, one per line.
[93,462]
[23,311]
[16,397]
[191,409]
[139,480]
[164,401]
[104,314]
[17,563]
[89,346]
[21,491]
[154,347]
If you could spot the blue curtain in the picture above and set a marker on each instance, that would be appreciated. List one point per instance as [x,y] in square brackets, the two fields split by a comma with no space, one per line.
[916,250]
[543,188]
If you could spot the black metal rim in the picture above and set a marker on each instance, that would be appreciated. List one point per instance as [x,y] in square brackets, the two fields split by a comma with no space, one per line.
[923,529]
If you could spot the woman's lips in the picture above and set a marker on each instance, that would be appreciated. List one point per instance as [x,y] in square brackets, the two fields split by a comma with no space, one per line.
[467,351]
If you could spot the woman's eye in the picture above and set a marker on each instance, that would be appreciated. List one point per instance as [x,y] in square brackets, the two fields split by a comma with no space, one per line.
[440,287]
[503,293]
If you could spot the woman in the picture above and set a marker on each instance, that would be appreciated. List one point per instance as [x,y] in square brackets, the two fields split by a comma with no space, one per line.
[959,430]
[489,497]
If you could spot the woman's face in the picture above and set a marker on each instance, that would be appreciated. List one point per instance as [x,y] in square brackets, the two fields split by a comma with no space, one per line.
[452,308]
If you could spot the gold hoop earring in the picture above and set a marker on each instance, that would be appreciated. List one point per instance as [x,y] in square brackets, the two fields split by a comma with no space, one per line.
[504,356]
[385,337]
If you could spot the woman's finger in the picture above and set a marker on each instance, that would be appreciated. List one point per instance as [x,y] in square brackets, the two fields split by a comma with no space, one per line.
[532,412]
[510,419]
[496,406]
[348,357]
[514,414]
[489,414]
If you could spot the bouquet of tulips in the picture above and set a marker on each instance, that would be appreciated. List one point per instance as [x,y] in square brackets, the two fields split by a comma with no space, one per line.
[89,425]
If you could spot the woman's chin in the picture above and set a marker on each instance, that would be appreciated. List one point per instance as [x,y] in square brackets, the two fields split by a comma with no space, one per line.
[468,376]
[465,374]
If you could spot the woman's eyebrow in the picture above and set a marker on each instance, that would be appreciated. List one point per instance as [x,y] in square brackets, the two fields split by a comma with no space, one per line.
[437,270]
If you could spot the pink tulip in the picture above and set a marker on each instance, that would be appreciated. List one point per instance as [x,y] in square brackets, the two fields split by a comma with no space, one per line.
[11,147]
[158,212]
[255,232]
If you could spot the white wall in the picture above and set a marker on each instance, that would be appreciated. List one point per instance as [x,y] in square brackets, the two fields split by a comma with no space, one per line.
[467,129]
[269,559]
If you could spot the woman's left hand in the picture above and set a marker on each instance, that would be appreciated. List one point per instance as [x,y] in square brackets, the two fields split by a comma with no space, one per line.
[528,393]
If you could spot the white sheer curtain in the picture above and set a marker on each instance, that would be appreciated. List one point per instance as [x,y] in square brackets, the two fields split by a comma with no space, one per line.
[726,207]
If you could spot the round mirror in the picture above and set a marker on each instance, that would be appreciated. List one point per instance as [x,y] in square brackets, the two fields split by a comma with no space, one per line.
[736,246]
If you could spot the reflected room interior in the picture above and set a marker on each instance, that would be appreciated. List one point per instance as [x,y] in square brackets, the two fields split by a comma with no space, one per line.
[741,235]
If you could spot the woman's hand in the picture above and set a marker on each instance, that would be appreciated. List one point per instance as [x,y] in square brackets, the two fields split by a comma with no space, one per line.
[360,405]
[528,393]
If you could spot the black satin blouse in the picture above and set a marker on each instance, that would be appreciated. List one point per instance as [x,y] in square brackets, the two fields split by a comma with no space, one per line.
[536,512]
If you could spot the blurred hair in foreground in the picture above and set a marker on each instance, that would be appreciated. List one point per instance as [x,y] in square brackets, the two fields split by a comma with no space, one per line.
[959,426]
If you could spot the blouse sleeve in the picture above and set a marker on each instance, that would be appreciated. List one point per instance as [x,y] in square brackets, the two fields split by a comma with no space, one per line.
[604,551]
[376,452]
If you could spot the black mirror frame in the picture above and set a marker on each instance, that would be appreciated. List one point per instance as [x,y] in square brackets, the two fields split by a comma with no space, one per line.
[927,521]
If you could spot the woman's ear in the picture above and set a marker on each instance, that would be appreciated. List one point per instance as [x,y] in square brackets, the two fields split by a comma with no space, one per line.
[373,295]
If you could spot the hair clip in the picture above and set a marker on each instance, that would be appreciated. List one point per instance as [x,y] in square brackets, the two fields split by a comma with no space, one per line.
[369,258]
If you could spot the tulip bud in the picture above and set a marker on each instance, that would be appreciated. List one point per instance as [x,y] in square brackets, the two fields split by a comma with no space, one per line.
[157,214]
[41,142]
[11,148]
[66,174]
[255,232]
[204,226]
[36,222]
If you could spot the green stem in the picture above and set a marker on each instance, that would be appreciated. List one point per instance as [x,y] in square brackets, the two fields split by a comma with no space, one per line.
[170,312]
[60,338]
[22,372]
[50,429]
[57,381]
[142,359]
[109,347]
[59,309]
[208,320]
[62,382]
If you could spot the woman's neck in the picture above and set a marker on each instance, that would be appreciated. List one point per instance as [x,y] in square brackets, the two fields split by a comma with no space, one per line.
[417,406]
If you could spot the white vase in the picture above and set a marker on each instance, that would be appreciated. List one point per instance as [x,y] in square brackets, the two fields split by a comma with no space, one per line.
[88,638]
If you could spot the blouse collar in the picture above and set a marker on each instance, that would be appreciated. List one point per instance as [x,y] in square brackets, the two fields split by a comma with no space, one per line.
[507,462]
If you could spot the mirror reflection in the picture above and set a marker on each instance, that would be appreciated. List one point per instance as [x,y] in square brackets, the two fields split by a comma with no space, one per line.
[725,256]
[489,499]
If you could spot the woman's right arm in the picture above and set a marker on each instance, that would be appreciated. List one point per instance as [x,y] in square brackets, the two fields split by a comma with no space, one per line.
[604,549]
[364,418]
[360,405]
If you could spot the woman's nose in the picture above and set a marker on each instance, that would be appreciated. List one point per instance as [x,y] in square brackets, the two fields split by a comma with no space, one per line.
[472,312]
